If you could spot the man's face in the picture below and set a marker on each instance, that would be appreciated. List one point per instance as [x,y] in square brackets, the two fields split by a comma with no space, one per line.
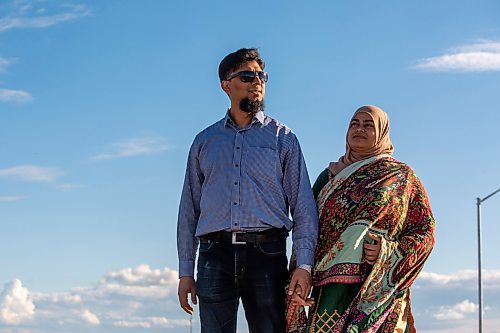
[238,90]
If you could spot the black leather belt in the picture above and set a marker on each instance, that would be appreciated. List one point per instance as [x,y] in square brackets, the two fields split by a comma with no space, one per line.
[241,237]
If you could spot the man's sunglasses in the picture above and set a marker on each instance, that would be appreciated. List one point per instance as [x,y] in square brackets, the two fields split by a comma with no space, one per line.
[249,76]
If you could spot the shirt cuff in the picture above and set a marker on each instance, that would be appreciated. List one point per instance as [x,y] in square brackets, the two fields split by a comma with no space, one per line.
[305,257]
[186,268]
[305,267]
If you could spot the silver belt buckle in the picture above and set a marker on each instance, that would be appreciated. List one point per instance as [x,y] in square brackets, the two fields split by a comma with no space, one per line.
[233,237]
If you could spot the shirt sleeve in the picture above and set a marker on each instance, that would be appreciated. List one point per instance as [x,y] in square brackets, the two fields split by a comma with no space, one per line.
[302,205]
[189,212]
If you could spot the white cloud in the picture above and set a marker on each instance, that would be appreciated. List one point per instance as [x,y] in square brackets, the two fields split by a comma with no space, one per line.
[16,305]
[150,322]
[134,147]
[31,173]
[143,275]
[457,311]
[132,324]
[477,57]
[89,317]
[464,278]
[448,302]
[466,325]
[144,299]
[138,282]
[63,298]
[30,15]
[10,198]
[67,186]
[4,63]
[15,96]
[137,298]
[33,14]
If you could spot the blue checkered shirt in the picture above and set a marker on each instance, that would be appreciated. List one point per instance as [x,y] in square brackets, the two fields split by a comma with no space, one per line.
[247,179]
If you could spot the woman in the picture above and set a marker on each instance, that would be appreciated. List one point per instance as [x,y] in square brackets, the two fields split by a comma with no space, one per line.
[376,231]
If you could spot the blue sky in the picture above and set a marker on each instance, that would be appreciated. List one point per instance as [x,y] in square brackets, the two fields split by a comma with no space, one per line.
[100,101]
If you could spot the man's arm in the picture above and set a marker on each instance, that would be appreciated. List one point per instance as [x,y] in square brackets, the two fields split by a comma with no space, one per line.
[304,214]
[187,244]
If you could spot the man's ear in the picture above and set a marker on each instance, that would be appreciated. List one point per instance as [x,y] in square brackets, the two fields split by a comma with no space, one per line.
[225,86]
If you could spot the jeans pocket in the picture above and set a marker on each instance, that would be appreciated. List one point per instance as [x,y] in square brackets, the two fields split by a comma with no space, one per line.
[272,248]
[206,247]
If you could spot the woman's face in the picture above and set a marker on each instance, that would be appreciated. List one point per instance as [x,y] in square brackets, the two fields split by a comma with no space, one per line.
[361,135]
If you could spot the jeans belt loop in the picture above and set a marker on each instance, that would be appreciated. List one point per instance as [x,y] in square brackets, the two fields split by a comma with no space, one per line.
[234,240]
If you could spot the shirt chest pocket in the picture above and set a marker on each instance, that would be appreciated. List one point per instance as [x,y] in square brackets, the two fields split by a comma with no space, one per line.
[261,164]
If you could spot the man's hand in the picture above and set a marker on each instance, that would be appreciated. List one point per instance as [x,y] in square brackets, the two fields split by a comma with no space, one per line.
[187,286]
[300,284]
[371,251]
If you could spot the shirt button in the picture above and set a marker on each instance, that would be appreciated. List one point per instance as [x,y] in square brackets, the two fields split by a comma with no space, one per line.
[237,147]
[235,183]
[236,165]
[235,203]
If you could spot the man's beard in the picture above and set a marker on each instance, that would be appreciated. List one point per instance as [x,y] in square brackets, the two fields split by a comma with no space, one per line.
[247,105]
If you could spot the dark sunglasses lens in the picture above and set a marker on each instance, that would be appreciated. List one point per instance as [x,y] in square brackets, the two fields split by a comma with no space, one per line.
[263,76]
[247,76]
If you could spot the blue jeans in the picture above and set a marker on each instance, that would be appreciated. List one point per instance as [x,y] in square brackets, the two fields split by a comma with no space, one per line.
[256,273]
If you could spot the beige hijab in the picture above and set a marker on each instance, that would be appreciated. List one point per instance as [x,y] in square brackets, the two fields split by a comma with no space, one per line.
[383,144]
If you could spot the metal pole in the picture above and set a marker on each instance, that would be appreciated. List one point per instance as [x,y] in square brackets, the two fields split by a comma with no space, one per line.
[479,260]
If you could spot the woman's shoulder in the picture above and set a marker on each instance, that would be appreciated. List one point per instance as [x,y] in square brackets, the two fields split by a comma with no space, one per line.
[324,174]
[323,178]
[321,181]
[392,161]
[396,165]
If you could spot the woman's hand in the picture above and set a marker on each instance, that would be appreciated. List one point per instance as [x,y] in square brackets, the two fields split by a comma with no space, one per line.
[371,250]
[298,300]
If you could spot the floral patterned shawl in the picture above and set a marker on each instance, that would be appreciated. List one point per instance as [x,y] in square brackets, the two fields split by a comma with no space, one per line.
[383,196]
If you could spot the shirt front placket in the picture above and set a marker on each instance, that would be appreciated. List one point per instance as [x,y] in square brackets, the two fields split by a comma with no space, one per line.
[236,175]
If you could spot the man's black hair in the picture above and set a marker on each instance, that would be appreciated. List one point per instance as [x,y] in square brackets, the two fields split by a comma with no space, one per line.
[234,60]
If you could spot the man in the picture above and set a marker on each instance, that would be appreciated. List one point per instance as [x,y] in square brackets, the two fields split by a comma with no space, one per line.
[245,174]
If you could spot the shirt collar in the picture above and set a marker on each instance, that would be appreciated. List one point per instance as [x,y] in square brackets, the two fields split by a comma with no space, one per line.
[227,119]
[258,117]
